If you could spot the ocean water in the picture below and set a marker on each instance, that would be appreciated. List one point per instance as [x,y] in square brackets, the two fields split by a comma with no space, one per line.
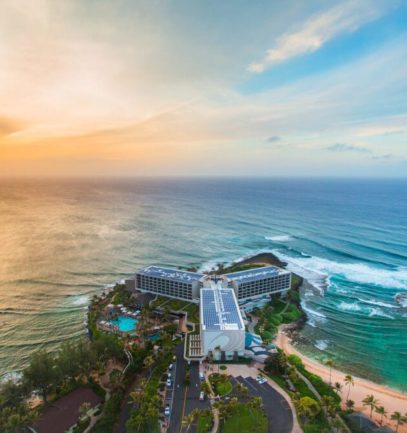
[63,241]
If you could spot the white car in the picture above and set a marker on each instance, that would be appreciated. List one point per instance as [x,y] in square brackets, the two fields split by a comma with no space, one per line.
[168,382]
[201,396]
[201,376]
[169,375]
[167,410]
[170,366]
[262,380]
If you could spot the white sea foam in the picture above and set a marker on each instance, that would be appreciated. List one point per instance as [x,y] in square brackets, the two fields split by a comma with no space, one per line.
[12,375]
[322,344]
[314,317]
[349,306]
[378,303]
[379,312]
[314,268]
[401,299]
[80,300]
[279,238]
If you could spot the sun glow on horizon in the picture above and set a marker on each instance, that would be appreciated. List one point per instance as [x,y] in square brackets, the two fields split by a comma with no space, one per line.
[145,88]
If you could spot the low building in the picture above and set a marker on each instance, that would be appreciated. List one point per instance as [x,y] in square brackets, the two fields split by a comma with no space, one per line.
[221,324]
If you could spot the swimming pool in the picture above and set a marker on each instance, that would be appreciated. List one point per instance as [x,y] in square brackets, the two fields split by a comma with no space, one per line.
[124,323]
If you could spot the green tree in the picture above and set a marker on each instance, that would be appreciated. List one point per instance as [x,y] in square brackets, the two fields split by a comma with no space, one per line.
[349,382]
[382,412]
[41,373]
[399,419]
[350,404]
[329,363]
[371,402]
[337,388]
[307,408]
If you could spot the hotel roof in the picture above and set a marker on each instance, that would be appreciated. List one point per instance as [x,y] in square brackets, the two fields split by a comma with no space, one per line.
[255,274]
[170,274]
[219,310]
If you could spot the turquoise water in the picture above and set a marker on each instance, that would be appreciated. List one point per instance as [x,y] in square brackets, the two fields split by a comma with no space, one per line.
[154,337]
[63,241]
[125,324]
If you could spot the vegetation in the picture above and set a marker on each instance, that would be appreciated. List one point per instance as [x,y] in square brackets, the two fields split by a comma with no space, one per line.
[220,384]
[242,418]
[144,418]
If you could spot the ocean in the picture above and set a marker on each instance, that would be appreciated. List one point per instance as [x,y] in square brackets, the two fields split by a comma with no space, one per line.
[62,241]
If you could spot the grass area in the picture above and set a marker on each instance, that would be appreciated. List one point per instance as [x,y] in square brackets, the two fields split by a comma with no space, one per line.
[223,388]
[274,314]
[245,420]
[193,313]
[204,423]
[221,384]
[240,267]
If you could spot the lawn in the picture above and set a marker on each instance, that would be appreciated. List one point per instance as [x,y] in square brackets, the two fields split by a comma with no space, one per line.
[224,388]
[220,383]
[245,420]
[204,424]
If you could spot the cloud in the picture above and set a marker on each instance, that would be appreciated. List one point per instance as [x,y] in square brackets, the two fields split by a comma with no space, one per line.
[341,147]
[319,29]
[382,157]
[9,126]
[273,139]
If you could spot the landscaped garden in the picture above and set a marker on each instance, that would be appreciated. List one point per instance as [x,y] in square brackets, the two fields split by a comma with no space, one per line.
[221,384]
[245,419]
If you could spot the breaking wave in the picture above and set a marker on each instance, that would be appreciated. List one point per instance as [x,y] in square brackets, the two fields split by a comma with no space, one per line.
[316,269]
[279,238]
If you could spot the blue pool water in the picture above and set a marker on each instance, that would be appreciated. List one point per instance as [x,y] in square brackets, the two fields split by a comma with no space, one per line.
[125,324]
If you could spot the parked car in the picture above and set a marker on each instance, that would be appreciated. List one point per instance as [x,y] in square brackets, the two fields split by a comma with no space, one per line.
[168,382]
[169,375]
[201,376]
[201,396]
[170,366]
[167,410]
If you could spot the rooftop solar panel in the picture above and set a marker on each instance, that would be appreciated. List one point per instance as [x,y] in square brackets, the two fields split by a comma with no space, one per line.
[255,274]
[170,274]
[220,310]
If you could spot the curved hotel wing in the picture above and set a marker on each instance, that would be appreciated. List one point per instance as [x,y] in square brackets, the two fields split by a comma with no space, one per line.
[222,327]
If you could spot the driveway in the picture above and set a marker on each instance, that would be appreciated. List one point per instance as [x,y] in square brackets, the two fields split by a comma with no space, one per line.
[276,407]
[186,398]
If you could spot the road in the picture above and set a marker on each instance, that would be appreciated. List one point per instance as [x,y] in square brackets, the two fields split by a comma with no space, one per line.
[277,409]
[186,398]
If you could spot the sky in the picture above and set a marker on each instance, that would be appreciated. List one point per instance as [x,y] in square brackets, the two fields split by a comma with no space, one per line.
[203,88]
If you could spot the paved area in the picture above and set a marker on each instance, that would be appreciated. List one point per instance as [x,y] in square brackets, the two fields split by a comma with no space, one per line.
[277,409]
[63,413]
[277,404]
[185,398]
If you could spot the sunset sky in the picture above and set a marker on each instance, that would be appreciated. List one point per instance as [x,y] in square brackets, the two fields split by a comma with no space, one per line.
[226,88]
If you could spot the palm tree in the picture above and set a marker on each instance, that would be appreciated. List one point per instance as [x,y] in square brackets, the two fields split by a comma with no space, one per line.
[241,390]
[84,408]
[370,401]
[349,382]
[399,418]
[337,387]
[329,363]
[382,412]
[148,362]
[350,404]
[188,420]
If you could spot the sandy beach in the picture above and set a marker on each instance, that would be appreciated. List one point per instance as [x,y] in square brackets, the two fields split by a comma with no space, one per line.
[391,399]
